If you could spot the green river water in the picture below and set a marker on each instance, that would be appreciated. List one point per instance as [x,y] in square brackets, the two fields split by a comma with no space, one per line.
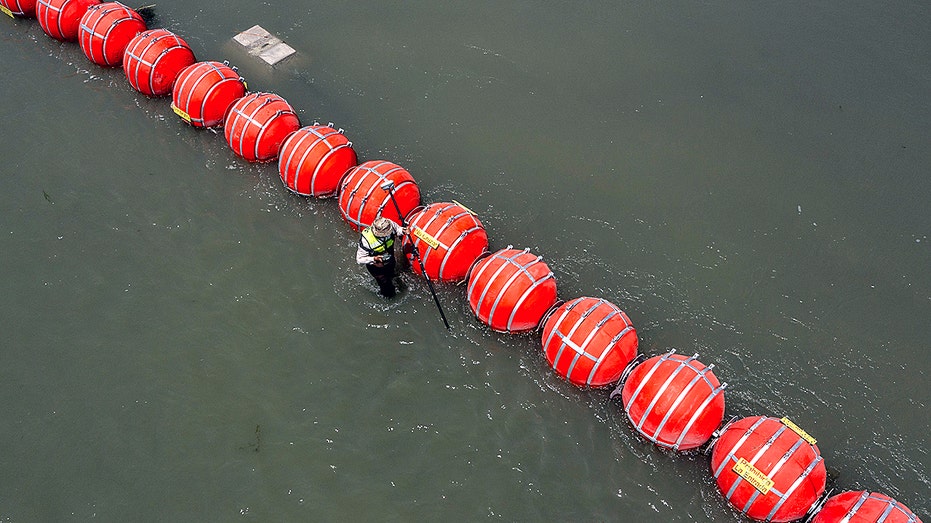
[181,339]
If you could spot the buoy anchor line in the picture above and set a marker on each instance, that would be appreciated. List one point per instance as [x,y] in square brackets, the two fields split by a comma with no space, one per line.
[259,42]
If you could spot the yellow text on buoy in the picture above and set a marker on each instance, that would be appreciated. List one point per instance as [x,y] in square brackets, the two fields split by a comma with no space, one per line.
[798,430]
[423,235]
[184,116]
[753,475]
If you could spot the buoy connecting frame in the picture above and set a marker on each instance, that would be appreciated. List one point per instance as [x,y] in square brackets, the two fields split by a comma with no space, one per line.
[105,31]
[153,59]
[660,395]
[362,199]
[257,124]
[589,341]
[203,93]
[510,290]
[769,469]
[450,238]
[60,18]
[22,8]
[314,159]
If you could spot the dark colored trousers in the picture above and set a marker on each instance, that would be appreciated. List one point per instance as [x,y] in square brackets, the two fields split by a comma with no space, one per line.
[384,276]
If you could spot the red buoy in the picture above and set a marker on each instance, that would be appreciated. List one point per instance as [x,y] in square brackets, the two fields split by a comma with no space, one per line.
[23,8]
[153,60]
[448,237]
[314,158]
[257,124]
[361,198]
[105,31]
[674,401]
[769,469]
[589,341]
[204,92]
[511,290]
[60,18]
[864,507]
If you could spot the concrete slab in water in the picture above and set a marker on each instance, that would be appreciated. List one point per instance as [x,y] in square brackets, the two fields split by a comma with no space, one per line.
[259,42]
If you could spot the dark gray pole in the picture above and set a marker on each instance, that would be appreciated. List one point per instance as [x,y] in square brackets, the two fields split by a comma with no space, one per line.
[389,187]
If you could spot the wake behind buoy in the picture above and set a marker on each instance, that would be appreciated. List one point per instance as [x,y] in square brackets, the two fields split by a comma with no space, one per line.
[204,92]
[864,507]
[153,60]
[674,401]
[60,18]
[361,198]
[313,159]
[105,30]
[257,124]
[23,8]
[449,238]
[589,341]
[511,290]
[769,469]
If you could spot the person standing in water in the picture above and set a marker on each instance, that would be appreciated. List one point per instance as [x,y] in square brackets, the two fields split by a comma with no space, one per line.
[376,252]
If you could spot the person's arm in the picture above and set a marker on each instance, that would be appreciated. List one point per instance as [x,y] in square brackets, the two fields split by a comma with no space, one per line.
[398,230]
[363,258]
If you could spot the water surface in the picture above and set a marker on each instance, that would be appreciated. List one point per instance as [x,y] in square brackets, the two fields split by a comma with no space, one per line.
[184,340]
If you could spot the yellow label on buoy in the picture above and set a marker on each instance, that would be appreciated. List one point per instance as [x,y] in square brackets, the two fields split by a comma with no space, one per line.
[470,211]
[423,235]
[184,116]
[798,430]
[6,11]
[753,475]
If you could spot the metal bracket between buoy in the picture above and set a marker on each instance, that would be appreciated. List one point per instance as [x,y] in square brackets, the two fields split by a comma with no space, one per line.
[259,42]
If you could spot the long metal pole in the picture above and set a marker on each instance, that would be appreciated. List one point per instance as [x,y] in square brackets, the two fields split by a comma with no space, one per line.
[390,190]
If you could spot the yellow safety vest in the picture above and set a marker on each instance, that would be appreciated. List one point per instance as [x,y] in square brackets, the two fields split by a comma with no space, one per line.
[374,245]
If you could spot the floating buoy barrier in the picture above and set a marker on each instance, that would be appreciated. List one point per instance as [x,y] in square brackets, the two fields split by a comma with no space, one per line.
[769,469]
[674,401]
[589,341]
[257,124]
[362,199]
[23,8]
[313,159]
[153,60]
[449,238]
[60,18]
[204,91]
[864,507]
[510,290]
[105,30]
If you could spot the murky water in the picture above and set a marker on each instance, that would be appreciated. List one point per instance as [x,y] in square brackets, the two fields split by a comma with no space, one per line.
[184,340]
